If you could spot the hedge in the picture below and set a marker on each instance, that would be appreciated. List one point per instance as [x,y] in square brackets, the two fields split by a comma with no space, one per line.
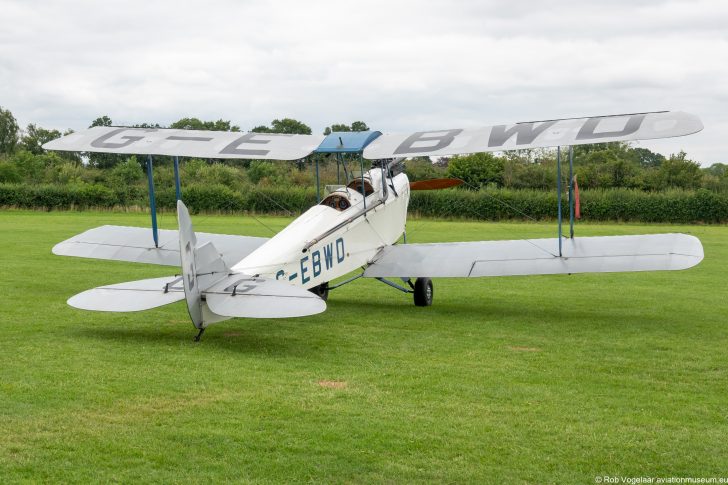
[675,206]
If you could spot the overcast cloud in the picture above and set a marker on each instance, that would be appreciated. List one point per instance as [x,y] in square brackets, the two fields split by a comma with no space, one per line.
[398,65]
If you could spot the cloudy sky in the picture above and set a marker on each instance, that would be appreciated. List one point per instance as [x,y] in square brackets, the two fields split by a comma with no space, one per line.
[398,65]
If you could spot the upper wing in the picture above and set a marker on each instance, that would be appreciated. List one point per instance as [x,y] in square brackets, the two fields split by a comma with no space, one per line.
[535,134]
[188,143]
[538,256]
[134,244]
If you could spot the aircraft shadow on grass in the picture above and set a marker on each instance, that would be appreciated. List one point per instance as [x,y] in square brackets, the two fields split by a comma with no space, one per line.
[253,337]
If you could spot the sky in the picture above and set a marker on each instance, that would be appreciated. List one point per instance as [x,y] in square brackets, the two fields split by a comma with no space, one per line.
[397,65]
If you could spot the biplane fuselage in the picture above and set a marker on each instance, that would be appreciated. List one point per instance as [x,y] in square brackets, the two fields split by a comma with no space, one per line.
[335,237]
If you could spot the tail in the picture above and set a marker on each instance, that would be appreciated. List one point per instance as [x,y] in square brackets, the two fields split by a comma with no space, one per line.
[213,293]
[201,268]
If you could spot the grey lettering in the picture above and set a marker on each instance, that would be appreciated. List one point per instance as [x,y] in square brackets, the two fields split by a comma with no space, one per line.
[587,130]
[236,288]
[192,272]
[525,133]
[443,139]
[189,138]
[249,138]
[100,142]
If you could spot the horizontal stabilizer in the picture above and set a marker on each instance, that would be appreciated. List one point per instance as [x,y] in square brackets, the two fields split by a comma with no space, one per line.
[132,296]
[188,143]
[538,256]
[535,134]
[135,245]
[245,296]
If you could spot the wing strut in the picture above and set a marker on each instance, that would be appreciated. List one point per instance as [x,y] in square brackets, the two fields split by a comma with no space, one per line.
[571,192]
[177,187]
[558,192]
[152,201]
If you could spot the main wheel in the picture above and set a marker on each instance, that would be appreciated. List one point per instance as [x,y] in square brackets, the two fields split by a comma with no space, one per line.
[322,291]
[423,292]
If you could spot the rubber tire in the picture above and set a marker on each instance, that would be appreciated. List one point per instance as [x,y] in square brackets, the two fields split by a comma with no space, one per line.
[423,292]
[322,291]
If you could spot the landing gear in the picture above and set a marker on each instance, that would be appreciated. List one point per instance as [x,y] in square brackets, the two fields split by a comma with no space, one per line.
[322,291]
[423,292]
[421,289]
[199,334]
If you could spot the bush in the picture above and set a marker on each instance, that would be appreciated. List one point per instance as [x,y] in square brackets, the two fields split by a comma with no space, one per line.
[9,174]
[126,173]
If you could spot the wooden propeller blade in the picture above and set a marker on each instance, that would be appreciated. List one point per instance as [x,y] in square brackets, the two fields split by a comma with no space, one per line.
[435,184]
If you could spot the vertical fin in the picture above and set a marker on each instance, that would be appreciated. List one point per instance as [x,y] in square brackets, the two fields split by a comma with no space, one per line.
[187,243]
[202,267]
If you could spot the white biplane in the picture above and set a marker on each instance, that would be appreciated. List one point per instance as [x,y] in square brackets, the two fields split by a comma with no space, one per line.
[356,225]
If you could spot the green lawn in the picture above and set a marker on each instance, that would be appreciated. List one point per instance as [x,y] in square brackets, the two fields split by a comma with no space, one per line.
[544,379]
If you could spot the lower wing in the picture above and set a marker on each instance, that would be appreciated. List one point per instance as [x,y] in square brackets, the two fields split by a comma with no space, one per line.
[538,257]
[134,245]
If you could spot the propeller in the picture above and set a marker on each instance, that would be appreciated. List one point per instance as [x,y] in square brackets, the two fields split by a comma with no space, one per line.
[435,184]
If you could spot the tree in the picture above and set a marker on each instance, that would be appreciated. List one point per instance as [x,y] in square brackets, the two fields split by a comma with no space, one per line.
[290,126]
[340,127]
[197,124]
[287,126]
[477,170]
[101,121]
[717,169]
[678,171]
[355,126]
[34,137]
[647,158]
[8,131]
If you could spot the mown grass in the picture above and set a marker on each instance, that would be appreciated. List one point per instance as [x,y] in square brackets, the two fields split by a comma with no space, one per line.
[540,379]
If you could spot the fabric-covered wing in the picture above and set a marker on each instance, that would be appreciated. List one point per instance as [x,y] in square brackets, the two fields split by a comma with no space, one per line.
[135,245]
[239,295]
[188,143]
[132,296]
[535,134]
[538,256]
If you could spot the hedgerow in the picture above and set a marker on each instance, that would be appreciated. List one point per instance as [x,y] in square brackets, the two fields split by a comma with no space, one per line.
[671,206]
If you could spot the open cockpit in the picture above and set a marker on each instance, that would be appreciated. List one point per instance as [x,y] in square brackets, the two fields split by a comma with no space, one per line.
[341,197]
[337,200]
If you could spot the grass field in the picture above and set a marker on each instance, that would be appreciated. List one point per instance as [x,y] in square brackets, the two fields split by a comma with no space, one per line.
[539,379]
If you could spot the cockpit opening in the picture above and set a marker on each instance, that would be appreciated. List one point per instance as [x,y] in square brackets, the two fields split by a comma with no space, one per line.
[356,184]
[337,201]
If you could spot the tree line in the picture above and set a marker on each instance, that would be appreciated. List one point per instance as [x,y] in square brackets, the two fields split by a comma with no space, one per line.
[597,166]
